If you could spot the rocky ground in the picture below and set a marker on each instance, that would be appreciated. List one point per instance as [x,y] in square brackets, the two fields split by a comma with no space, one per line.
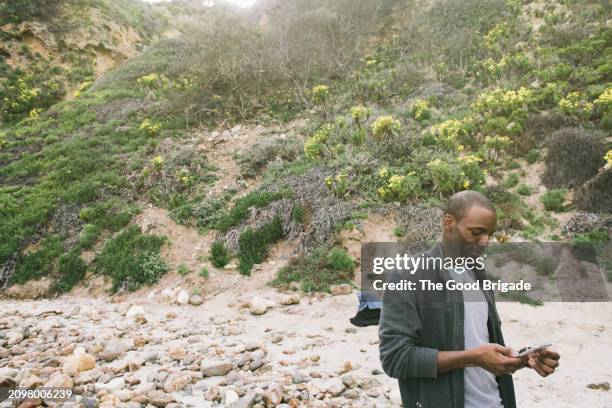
[262,349]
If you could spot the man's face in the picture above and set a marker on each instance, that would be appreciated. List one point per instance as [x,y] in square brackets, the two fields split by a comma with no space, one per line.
[471,234]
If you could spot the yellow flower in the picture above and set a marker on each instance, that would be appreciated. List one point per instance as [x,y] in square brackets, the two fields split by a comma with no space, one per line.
[466,184]
[608,158]
[385,125]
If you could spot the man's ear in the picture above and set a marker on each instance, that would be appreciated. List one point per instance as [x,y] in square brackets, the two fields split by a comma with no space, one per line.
[448,222]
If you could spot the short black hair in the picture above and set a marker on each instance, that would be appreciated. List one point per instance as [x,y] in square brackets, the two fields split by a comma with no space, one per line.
[460,203]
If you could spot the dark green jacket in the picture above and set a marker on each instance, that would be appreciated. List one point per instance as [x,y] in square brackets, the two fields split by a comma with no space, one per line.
[415,325]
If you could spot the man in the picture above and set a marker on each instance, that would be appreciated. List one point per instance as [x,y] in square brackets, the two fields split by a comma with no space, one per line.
[447,349]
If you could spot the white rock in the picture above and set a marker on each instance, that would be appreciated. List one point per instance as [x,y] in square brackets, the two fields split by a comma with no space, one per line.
[231,397]
[113,385]
[183,297]
[259,306]
[134,311]
[167,294]
[152,295]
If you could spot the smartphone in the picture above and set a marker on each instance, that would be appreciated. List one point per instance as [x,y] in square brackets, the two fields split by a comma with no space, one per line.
[528,350]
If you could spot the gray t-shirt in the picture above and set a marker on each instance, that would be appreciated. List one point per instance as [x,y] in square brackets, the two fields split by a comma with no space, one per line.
[481,388]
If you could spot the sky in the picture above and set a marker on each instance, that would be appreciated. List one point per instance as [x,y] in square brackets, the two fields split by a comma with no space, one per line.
[241,3]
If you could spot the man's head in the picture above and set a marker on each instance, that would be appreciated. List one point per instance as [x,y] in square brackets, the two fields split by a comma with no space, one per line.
[468,223]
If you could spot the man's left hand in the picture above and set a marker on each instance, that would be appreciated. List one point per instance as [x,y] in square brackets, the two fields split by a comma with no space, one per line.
[544,361]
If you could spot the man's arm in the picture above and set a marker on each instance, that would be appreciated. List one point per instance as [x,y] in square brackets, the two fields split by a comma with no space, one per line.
[398,331]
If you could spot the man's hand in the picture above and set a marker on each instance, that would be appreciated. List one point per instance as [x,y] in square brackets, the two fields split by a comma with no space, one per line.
[544,361]
[498,359]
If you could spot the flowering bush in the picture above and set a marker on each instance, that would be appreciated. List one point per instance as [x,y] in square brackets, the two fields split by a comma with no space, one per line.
[461,174]
[398,187]
[604,106]
[153,81]
[384,126]
[149,127]
[503,102]
[496,145]
[337,185]
[420,110]
[360,114]
[450,132]
[319,94]
[184,177]
[158,163]
[84,86]
[313,147]
[576,106]
[607,157]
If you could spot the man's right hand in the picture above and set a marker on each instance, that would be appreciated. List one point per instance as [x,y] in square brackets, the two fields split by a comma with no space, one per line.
[497,359]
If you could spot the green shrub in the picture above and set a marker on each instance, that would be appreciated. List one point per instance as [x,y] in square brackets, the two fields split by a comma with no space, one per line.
[339,260]
[523,190]
[314,272]
[183,269]
[204,272]
[596,194]
[574,155]
[131,258]
[545,266]
[71,270]
[39,262]
[532,156]
[553,199]
[511,180]
[240,210]
[297,215]
[16,11]
[219,256]
[253,244]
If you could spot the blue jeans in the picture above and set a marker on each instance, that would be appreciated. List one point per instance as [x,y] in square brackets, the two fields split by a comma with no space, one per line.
[369,300]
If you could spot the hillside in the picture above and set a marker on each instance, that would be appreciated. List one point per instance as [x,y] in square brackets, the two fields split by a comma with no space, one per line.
[176,156]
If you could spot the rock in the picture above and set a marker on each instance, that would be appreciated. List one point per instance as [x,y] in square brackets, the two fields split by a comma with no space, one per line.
[212,368]
[159,398]
[292,299]
[183,297]
[344,289]
[113,385]
[78,362]
[176,382]
[350,330]
[345,367]
[274,395]
[14,337]
[114,349]
[248,401]
[196,300]
[109,401]
[369,382]
[167,294]
[59,380]
[134,311]
[231,397]
[124,395]
[333,386]
[295,286]
[176,353]
[70,367]
[298,377]
[349,381]
[259,306]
